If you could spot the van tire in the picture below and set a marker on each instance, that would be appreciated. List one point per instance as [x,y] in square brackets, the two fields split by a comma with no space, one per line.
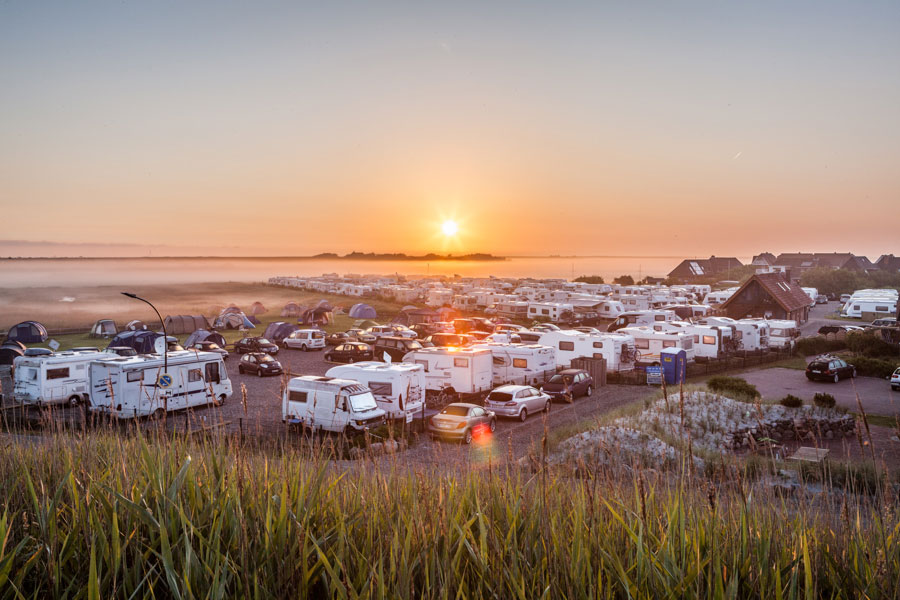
[523,415]
[303,348]
[219,401]
[75,400]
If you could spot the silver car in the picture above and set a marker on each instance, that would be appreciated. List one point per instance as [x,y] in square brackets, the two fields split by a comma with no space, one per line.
[517,401]
[462,421]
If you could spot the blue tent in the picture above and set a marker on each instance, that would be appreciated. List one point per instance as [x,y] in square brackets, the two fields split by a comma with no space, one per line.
[202,335]
[277,331]
[362,311]
[248,324]
[28,332]
[143,342]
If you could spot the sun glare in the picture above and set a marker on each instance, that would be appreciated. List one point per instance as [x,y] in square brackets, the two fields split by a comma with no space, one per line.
[450,228]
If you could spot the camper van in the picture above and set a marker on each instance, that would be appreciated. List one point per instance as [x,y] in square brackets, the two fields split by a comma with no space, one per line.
[617,349]
[131,387]
[782,333]
[718,297]
[642,317]
[711,342]
[399,388]
[750,336]
[521,364]
[648,343]
[329,404]
[464,371]
[58,378]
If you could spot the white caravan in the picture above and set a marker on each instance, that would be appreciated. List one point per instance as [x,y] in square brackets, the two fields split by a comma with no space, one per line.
[610,309]
[56,378]
[129,387]
[642,317]
[616,348]
[711,342]
[749,335]
[398,388]
[855,307]
[781,332]
[648,343]
[329,404]
[813,293]
[463,371]
[714,298]
[521,364]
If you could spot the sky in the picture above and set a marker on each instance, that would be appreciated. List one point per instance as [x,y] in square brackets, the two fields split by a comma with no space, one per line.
[596,128]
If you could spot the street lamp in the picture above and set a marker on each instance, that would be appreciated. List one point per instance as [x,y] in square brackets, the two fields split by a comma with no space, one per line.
[165,337]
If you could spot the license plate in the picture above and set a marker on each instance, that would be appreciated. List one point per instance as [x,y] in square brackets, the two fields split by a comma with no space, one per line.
[444,425]
[816,371]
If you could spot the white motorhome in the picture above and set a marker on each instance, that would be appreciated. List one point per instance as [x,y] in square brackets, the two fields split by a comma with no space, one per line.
[548,310]
[57,378]
[642,317]
[648,343]
[782,333]
[464,371]
[710,341]
[813,293]
[398,388]
[521,364]
[329,404]
[617,349]
[718,297]
[749,335]
[129,387]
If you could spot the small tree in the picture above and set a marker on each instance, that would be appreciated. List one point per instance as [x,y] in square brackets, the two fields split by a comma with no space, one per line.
[624,280]
[589,279]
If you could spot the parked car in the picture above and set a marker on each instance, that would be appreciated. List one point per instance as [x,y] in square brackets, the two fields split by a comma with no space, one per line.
[826,329]
[508,328]
[259,363]
[209,346]
[338,338]
[845,298]
[829,368]
[895,380]
[358,335]
[569,384]
[423,330]
[885,322]
[517,401]
[380,331]
[544,327]
[462,421]
[452,340]
[255,344]
[305,339]
[403,331]
[349,352]
[395,347]
[821,299]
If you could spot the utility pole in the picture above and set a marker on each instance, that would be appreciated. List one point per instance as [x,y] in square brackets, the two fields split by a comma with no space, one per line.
[165,342]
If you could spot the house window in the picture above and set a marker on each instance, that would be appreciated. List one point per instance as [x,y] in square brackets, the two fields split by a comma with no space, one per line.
[194,375]
[461,362]
[568,346]
[294,396]
[520,363]
[58,373]
[642,344]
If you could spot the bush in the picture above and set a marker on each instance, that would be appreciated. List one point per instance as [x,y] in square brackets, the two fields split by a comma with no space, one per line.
[791,401]
[811,346]
[589,279]
[733,387]
[824,400]
[869,345]
[873,367]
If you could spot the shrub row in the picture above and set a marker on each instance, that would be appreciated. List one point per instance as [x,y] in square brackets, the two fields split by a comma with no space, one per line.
[733,387]
[874,367]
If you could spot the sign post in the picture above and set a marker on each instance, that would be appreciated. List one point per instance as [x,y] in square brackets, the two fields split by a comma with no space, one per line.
[654,375]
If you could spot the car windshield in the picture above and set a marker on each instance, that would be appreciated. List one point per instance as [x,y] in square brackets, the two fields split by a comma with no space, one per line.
[360,347]
[362,402]
[818,365]
[266,358]
[561,379]
[500,397]
[414,346]
[263,341]
[456,411]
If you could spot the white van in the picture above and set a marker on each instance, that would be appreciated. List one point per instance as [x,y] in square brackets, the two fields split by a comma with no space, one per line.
[464,371]
[782,333]
[521,364]
[305,339]
[329,404]
[399,388]
[129,387]
[56,378]
[648,343]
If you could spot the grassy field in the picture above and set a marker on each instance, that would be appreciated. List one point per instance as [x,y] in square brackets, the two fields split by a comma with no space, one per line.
[93,303]
[122,517]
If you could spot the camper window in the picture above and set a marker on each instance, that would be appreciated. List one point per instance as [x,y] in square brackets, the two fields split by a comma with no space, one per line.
[520,363]
[212,372]
[194,376]
[424,364]
[659,317]
[709,339]
[461,362]
[642,344]
[295,396]
[31,374]
[381,388]
[567,346]
[134,375]
[882,309]
[668,344]
[598,344]
[58,373]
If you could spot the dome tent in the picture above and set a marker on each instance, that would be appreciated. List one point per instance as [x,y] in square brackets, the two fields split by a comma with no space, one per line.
[291,309]
[143,342]
[104,328]
[185,323]
[10,350]
[202,335]
[28,332]
[362,311]
[257,308]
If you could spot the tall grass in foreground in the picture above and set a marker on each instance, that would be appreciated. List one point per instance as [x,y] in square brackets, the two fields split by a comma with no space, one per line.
[107,517]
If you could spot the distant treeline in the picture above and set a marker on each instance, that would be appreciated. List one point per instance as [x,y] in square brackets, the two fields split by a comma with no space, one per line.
[845,281]
[401,256]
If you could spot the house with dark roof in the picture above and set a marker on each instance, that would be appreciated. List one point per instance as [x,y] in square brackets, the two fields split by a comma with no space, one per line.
[690,269]
[769,296]
[766,259]
[888,262]
[803,261]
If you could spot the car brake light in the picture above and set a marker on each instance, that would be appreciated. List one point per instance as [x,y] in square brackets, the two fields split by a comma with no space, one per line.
[461,425]
[510,404]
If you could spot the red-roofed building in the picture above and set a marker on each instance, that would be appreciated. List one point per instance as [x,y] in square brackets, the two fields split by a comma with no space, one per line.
[768,295]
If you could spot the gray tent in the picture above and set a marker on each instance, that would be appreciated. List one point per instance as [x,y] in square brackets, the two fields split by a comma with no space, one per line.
[136,325]
[104,328]
[257,308]
[362,311]
[179,324]
[291,309]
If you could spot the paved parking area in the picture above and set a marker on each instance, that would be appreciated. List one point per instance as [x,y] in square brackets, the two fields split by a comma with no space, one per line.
[875,394]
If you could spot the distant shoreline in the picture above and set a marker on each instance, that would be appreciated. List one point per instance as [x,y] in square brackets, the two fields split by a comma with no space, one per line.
[325,256]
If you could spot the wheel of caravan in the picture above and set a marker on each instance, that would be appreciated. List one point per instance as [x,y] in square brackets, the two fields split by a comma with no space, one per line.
[74,400]
[837,377]
[468,437]
[523,415]
[589,392]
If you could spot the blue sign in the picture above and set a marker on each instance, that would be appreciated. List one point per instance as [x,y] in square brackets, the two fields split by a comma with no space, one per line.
[654,375]
[164,381]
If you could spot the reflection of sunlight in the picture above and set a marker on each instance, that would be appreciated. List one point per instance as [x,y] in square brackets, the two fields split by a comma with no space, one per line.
[483,446]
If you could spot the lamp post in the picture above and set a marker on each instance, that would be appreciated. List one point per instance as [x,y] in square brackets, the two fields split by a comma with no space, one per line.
[165,340]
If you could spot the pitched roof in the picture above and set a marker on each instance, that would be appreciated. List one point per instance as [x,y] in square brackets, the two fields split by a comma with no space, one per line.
[704,266]
[888,262]
[789,296]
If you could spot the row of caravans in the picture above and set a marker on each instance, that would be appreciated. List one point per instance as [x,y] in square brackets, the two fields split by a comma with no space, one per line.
[875,302]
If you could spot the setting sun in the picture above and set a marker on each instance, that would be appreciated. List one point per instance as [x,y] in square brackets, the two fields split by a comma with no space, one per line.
[450,228]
